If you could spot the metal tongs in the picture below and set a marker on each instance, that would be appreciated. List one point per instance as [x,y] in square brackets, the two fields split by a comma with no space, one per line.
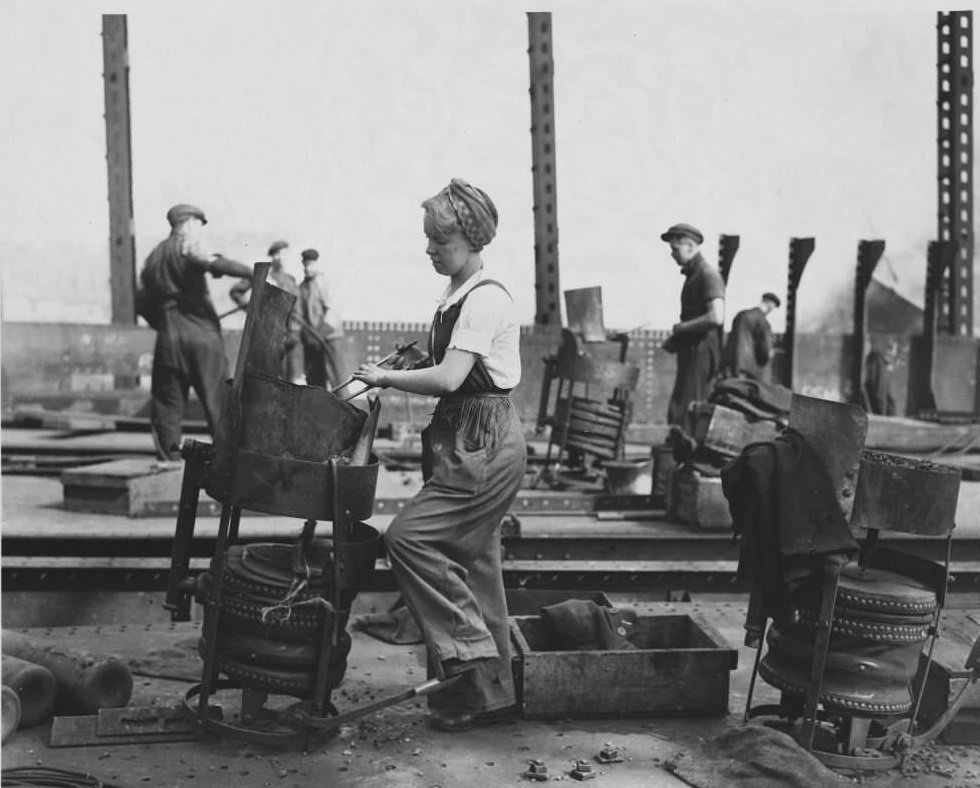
[400,352]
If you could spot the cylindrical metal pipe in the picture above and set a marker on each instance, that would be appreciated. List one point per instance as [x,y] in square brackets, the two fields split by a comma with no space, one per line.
[85,682]
[9,713]
[35,688]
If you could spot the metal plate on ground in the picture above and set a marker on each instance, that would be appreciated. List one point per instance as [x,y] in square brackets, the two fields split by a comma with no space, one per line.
[83,731]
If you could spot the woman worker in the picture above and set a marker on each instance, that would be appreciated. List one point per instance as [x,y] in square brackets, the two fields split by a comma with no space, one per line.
[444,546]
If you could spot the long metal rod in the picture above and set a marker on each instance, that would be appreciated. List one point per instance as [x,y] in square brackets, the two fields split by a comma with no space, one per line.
[119,160]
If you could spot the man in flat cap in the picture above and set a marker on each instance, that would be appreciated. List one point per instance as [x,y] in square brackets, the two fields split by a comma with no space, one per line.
[292,360]
[748,348]
[696,339]
[322,333]
[189,353]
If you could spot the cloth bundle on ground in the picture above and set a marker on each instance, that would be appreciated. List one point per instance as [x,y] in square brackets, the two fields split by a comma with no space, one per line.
[395,626]
[582,625]
[754,398]
[752,755]
[784,508]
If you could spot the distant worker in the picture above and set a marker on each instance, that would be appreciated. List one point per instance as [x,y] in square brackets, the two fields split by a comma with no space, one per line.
[748,349]
[878,380]
[323,359]
[281,278]
[189,351]
[696,338]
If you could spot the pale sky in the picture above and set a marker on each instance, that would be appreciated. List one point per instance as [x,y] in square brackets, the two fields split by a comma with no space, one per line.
[326,123]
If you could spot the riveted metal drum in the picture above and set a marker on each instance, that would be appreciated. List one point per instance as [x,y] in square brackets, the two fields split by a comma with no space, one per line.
[272,618]
[880,623]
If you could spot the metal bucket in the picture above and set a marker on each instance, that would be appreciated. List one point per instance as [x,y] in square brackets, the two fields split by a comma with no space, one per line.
[629,477]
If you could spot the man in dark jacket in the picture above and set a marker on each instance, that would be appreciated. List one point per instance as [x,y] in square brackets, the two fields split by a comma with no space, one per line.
[189,351]
[695,338]
[748,349]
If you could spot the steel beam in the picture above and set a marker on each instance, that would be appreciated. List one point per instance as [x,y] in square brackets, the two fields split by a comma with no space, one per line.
[636,576]
[921,396]
[119,159]
[869,253]
[800,250]
[727,249]
[955,177]
[542,65]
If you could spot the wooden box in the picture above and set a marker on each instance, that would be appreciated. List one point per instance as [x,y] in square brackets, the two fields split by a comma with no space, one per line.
[680,668]
[727,431]
[699,501]
[137,487]
[947,677]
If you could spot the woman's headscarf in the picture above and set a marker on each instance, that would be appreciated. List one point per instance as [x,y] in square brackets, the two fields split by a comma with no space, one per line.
[475,210]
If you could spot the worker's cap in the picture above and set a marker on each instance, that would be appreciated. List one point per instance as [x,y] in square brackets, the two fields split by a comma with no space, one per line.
[278,246]
[182,211]
[310,254]
[683,231]
[772,297]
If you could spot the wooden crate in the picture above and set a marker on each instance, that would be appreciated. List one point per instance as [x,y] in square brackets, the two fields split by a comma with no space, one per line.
[135,487]
[699,501]
[943,684]
[680,668]
[728,431]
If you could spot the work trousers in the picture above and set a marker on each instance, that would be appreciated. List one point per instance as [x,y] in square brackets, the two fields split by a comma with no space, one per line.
[324,365]
[697,365]
[187,354]
[444,546]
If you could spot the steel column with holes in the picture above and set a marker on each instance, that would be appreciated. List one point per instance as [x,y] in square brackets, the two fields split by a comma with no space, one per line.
[800,250]
[122,248]
[869,253]
[955,139]
[727,249]
[546,286]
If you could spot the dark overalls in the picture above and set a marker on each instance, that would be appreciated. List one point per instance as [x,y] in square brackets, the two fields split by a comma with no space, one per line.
[698,354]
[444,546]
[189,351]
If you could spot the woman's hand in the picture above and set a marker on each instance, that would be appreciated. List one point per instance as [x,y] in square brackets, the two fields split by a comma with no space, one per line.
[371,374]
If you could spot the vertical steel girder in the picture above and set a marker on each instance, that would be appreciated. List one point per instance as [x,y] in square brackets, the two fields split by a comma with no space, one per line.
[922,400]
[869,253]
[955,181]
[122,248]
[941,258]
[800,250]
[546,286]
[727,249]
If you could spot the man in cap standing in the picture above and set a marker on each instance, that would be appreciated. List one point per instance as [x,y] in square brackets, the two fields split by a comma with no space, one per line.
[292,361]
[748,349]
[323,358]
[189,351]
[696,338]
